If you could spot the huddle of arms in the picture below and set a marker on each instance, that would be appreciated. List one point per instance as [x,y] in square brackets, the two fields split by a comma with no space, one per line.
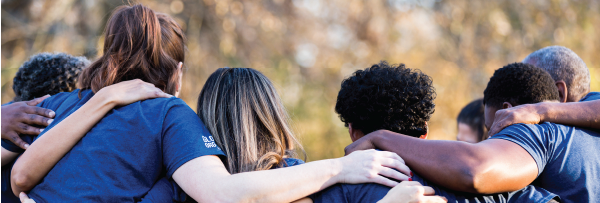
[491,166]
[205,178]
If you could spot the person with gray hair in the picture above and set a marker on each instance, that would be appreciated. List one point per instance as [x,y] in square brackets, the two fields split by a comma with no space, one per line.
[570,73]
[578,106]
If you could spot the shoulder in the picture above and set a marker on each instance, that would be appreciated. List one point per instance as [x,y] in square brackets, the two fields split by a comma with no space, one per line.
[57,100]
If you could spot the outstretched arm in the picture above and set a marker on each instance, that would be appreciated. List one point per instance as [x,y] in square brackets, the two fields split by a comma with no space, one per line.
[581,114]
[490,166]
[49,148]
[206,180]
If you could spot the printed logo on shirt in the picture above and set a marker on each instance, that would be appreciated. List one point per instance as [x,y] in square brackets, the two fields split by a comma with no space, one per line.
[209,142]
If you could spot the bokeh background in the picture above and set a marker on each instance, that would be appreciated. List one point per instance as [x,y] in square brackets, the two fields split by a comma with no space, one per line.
[307,47]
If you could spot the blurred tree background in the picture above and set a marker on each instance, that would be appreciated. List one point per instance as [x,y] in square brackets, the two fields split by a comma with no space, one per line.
[307,47]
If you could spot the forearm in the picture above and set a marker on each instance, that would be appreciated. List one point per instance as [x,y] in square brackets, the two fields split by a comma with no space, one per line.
[277,185]
[8,156]
[581,114]
[48,149]
[461,166]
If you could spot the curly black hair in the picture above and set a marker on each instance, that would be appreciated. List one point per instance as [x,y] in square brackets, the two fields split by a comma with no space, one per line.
[47,73]
[519,83]
[390,97]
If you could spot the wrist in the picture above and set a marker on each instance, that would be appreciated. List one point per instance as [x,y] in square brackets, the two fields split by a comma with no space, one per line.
[103,100]
[542,110]
[336,167]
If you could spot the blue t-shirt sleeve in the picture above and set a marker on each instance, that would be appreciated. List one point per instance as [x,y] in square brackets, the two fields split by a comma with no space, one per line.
[537,141]
[591,96]
[184,137]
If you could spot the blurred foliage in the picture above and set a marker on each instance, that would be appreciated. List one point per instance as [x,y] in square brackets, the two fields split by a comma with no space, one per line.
[307,47]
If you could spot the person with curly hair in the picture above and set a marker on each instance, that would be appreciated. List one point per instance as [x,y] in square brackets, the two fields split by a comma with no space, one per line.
[558,158]
[42,75]
[386,97]
[400,100]
[47,73]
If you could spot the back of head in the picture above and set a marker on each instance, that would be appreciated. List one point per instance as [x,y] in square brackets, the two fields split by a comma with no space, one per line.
[563,64]
[473,116]
[245,115]
[138,44]
[47,73]
[390,97]
[519,83]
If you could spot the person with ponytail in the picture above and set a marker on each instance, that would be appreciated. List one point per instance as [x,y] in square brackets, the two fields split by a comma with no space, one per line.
[113,139]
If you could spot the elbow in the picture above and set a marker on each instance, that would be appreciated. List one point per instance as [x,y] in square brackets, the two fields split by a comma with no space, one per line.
[472,180]
[20,182]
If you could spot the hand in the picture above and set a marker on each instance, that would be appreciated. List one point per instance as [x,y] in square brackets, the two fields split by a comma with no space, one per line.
[527,113]
[130,91]
[24,198]
[412,192]
[372,166]
[18,118]
[363,143]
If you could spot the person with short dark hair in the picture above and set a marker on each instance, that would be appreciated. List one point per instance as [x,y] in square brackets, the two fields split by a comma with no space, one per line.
[402,104]
[44,74]
[572,78]
[471,124]
[47,74]
[555,157]
[390,95]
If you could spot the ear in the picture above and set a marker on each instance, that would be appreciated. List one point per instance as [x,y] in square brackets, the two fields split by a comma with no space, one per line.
[506,105]
[355,134]
[562,90]
[426,132]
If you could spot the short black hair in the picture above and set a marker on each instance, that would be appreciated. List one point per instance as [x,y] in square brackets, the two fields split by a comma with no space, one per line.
[519,83]
[473,116]
[47,73]
[390,97]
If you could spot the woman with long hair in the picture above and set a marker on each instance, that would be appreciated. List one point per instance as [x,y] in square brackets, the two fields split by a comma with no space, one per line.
[108,146]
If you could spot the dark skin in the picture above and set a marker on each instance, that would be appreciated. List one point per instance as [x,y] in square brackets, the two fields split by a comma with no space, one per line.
[490,166]
[18,119]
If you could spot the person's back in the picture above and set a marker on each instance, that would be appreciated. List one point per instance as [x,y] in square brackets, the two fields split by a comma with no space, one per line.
[399,100]
[125,153]
[566,157]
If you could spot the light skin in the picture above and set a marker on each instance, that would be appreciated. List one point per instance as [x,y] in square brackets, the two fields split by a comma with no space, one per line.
[205,178]
[466,133]
[490,166]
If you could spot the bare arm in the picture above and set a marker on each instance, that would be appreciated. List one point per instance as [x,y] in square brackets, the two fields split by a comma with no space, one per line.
[581,114]
[206,180]
[67,133]
[8,156]
[490,166]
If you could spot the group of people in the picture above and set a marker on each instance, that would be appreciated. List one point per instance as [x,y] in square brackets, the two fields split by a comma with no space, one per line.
[115,131]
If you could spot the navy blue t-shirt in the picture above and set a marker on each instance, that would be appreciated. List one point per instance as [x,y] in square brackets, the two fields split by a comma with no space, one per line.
[371,192]
[124,154]
[568,158]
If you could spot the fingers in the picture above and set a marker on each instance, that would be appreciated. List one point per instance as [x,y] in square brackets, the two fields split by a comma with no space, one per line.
[391,173]
[24,198]
[433,199]
[384,181]
[410,183]
[428,190]
[36,101]
[14,138]
[25,129]
[38,111]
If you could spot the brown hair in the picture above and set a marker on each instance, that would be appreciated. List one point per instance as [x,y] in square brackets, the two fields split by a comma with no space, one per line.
[245,115]
[138,44]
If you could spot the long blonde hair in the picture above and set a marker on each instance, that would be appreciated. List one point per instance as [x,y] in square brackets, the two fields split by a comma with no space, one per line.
[245,115]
